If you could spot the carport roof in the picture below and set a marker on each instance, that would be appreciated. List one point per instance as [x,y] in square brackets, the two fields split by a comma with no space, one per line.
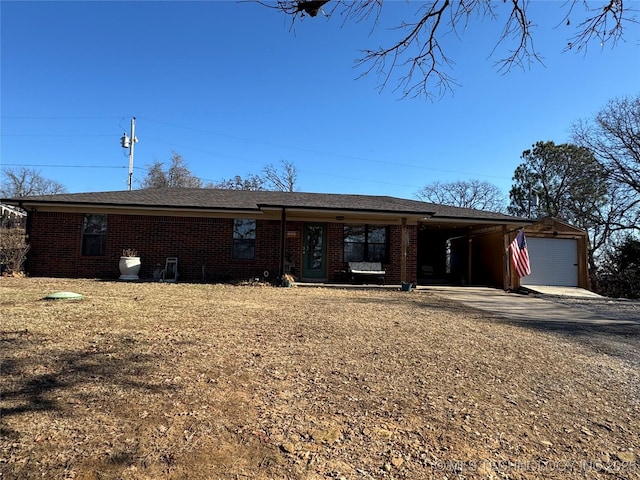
[244,200]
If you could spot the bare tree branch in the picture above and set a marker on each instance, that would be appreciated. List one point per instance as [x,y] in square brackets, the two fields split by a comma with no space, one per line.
[518,26]
[605,25]
[284,179]
[418,57]
[613,135]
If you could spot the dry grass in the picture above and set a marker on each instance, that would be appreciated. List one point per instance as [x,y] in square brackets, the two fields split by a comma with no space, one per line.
[149,381]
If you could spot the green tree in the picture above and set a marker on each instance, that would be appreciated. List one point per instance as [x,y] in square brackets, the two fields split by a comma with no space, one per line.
[563,181]
[469,194]
[419,57]
[176,175]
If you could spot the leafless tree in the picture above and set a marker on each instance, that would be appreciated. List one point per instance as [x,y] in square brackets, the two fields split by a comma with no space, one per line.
[250,182]
[418,54]
[26,182]
[469,194]
[273,178]
[177,175]
[613,135]
[283,179]
[618,218]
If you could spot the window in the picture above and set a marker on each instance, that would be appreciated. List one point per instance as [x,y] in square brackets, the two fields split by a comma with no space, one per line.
[365,243]
[94,235]
[244,239]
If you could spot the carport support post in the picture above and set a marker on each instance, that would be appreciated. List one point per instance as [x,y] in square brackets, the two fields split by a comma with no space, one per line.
[506,261]
[403,251]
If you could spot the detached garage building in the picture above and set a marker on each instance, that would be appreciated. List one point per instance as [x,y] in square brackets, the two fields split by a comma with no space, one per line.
[557,253]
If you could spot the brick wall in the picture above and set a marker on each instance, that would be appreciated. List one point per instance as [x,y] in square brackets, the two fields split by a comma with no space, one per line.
[203,247]
[393,269]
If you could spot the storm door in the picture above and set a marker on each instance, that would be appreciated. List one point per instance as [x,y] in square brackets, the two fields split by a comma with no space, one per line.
[314,252]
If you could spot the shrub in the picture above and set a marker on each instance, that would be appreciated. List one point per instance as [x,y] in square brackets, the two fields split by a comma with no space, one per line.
[13,250]
[620,273]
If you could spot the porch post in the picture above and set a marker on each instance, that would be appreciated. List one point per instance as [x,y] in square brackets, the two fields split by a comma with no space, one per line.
[403,251]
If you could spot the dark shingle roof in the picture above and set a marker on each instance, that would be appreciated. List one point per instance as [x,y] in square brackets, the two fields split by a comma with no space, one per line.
[207,198]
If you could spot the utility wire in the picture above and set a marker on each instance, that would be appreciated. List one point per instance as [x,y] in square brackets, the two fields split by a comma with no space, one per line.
[233,157]
[42,165]
[307,150]
[232,137]
[56,135]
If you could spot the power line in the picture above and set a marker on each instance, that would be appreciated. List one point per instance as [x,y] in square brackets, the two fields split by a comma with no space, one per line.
[56,135]
[44,165]
[306,150]
[63,117]
[235,157]
[233,137]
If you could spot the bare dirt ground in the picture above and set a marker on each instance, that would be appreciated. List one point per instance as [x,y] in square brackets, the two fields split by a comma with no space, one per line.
[155,381]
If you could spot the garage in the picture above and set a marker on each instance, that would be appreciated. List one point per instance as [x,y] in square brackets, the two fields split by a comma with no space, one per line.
[554,261]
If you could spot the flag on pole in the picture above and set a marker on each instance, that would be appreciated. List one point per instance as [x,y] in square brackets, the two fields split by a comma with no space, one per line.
[520,255]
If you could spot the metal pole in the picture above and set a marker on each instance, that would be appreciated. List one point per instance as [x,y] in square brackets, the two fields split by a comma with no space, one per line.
[131,143]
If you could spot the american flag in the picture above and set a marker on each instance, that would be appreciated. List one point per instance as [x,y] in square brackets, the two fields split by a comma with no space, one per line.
[520,255]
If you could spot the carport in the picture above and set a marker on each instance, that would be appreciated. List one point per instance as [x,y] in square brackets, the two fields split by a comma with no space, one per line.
[475,251]
[466,251]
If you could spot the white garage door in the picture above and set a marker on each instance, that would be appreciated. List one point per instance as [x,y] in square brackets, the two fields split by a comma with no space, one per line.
[554,261]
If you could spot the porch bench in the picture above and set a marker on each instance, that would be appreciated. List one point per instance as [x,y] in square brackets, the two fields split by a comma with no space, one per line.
[366,270]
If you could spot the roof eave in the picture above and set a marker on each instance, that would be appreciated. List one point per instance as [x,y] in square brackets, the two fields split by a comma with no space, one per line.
[31,205]
[329,210]
[481,220]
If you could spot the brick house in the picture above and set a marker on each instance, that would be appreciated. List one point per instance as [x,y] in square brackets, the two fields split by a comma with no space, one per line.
[235,234]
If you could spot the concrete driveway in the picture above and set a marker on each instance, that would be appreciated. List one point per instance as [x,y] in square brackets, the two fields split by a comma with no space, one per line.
[607,326]
[534,307]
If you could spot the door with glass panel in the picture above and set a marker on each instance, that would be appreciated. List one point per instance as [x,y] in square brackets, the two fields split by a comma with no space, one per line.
[314,252]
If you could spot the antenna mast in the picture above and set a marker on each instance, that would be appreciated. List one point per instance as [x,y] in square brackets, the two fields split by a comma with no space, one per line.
[129,142]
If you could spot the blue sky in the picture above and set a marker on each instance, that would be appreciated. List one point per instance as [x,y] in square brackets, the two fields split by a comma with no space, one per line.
[232,87]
